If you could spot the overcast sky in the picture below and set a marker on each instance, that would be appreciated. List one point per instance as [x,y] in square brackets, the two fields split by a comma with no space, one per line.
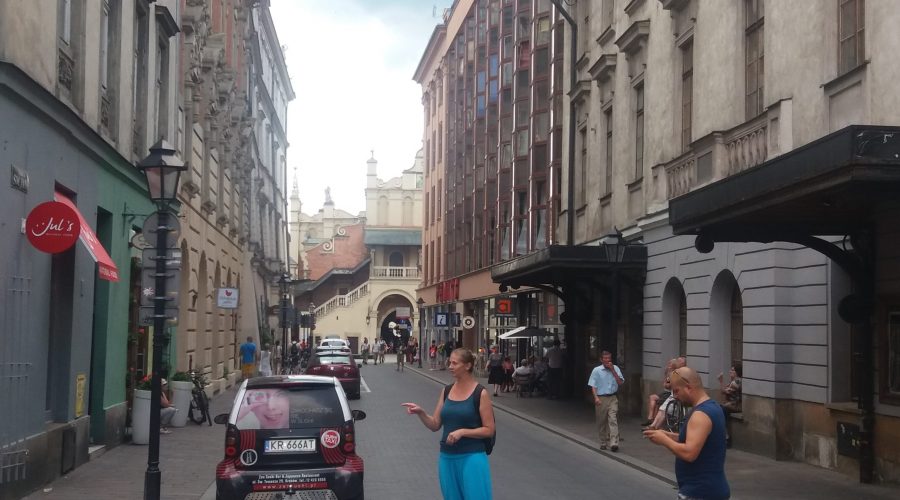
[351,64]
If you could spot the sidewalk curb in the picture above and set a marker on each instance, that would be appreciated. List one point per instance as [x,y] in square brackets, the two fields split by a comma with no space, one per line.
[634,463]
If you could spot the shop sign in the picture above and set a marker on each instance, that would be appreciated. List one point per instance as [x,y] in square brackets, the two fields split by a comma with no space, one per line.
[448,291]
[80,383]
[227,298]
[504,308]
[402,312]
[441,319]
[52,227]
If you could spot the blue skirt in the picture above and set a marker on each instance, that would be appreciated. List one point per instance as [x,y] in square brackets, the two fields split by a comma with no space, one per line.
[465,476]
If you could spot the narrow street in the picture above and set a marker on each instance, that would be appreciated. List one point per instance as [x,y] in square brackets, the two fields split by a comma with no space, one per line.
[527,462]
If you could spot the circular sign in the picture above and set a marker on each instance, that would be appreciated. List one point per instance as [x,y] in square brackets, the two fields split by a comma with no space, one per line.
[468,322]
[248,457]
[330,439]
[173,228]
[52,227]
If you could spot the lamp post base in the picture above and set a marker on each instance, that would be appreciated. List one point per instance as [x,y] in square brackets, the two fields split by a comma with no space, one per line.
[151,484]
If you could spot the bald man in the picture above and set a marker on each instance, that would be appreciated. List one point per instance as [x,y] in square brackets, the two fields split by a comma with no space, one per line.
[699,448]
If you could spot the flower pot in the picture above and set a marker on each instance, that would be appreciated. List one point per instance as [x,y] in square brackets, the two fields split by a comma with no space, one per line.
[181,398]
[140,417]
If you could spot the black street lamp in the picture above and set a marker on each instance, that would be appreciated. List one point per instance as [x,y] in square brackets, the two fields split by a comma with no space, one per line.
[162,169]
[312,323]
[614,244]
[421,302]
[285,306]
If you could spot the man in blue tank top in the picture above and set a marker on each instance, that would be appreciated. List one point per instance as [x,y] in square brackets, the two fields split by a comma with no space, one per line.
[699,448]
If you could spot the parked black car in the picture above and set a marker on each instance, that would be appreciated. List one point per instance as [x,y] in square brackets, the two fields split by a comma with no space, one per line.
[290,434]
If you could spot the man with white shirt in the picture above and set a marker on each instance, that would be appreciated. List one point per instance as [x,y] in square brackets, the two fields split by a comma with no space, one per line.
[604,382]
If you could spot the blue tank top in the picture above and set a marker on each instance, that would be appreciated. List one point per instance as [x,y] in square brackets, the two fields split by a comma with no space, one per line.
[705,477]
[461,415]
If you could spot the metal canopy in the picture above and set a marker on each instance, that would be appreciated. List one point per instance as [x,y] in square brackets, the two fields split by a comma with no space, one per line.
[827,187]
[561,264]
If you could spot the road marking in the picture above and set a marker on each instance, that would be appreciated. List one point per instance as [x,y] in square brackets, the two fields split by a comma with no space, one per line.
[364,387]
[210,493]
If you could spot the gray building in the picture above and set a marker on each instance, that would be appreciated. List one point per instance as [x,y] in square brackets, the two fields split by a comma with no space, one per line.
[732,121]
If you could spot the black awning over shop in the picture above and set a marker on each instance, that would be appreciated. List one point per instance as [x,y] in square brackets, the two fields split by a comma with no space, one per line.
[561,264]
[839,185]
[828,187]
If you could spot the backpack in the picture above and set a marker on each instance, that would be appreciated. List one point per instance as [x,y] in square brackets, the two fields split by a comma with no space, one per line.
[488,442]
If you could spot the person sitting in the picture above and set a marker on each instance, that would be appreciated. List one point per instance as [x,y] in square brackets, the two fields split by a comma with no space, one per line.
[541,375]
[732,393]
[166,409]
[523,376]
[653,402]
[670,415]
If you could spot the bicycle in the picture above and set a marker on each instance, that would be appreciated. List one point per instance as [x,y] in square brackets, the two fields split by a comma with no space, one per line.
[198,411]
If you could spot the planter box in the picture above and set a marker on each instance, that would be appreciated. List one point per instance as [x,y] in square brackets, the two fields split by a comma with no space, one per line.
[140,417]
[181,398]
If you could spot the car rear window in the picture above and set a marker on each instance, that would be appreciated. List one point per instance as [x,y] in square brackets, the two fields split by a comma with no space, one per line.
[334,360]
[290,407]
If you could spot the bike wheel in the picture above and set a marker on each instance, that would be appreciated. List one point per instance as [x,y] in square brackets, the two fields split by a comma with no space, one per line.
[204,408]
[195,412]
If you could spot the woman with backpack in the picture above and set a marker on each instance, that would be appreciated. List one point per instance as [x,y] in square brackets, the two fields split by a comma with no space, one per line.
[466,413]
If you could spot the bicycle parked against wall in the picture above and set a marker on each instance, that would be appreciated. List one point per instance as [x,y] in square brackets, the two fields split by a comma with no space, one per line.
[199,409]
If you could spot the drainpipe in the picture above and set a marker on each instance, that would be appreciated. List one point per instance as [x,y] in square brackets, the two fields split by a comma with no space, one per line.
[570,168]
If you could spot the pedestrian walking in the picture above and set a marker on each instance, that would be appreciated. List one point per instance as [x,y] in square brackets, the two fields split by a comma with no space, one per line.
[494,367]
[277,358]
[555,367]
[604,382]
[376,350]
[432,355]
[365,350]
[382,350]
[699,447]
[249,357]
[401,355]
[466,414]
[265,361]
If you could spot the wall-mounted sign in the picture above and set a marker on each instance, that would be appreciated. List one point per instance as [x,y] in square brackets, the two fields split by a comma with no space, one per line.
[80,383]
[441,319]
[227,298]
[52,227]
[504,307]
[402,312]
[448,291]
[468,322]
[18,178]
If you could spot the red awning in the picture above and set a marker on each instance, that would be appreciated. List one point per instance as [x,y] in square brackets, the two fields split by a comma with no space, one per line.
[108,269]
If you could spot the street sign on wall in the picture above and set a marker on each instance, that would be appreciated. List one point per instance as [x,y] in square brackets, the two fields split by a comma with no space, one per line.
[441,319]
[227,298]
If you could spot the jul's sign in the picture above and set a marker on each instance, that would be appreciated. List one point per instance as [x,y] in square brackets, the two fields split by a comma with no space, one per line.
[52,227]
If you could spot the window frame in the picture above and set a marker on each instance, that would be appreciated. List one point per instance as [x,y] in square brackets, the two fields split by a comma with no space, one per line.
[754,29]
[639,130]
[858,36]
[889,306]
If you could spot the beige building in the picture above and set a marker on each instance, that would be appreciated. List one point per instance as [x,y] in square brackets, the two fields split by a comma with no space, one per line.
[716,135]
[365,272]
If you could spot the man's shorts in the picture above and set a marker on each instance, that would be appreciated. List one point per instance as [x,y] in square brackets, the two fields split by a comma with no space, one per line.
[247,370]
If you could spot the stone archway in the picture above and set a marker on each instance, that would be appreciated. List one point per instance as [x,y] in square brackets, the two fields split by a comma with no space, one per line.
[385,311]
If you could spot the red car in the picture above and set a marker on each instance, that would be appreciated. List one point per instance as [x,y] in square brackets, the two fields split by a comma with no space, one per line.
[339,365]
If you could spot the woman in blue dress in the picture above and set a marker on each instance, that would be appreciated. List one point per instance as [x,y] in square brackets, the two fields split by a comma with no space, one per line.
[465,412]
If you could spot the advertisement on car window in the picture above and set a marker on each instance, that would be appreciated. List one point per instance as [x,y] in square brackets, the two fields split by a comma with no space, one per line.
[268,408]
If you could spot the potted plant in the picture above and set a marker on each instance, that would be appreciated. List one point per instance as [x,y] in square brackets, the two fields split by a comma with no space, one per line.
[181,386]
[140,411]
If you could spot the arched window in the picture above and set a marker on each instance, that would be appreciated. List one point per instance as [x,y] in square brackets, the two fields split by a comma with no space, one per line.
[726,324]
[407,211]
[674,321]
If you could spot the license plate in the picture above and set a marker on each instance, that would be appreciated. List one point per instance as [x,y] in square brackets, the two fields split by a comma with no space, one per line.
[290,446]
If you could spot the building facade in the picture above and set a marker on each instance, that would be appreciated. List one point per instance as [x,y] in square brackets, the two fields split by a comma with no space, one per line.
[492,93]
[718,136]
[363,276]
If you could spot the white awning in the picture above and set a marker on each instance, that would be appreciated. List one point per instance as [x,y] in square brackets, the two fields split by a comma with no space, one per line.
[524,332]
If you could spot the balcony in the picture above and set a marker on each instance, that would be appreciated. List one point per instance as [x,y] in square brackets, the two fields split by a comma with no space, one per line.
[721,154]
[394,273]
